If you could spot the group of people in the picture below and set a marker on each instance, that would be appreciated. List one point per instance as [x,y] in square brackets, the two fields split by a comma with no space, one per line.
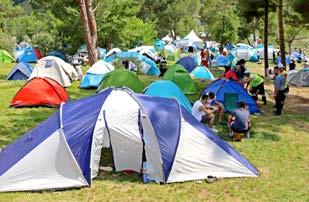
[204,111]
[254,83]
[239,121]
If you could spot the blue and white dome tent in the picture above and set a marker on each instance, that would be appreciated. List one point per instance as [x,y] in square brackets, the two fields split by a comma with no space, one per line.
[148,66]
[95,74]
[64,151]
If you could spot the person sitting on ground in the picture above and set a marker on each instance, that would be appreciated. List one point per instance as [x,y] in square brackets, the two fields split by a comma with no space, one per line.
[239,120]
[229,73]
[256,83]
[163,66]
[212,102]
[203,113]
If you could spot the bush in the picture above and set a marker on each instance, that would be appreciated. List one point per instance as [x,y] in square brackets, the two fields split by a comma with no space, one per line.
[7,42]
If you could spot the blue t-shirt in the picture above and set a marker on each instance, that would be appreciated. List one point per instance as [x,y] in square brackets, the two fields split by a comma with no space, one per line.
[241,119]
[280,82]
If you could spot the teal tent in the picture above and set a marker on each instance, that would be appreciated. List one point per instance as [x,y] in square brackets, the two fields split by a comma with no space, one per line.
[168,89]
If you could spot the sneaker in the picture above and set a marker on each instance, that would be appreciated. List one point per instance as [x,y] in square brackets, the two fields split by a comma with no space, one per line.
[210,179]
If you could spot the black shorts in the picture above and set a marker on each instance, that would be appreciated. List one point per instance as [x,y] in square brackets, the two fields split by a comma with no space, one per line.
[205,119]
[239,131]
[258,89]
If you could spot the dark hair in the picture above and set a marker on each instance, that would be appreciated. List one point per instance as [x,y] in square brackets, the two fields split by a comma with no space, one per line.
[204,96]
[276,67]
[211,95]
[227,68]
[242,61]
[242,104]
[292,66]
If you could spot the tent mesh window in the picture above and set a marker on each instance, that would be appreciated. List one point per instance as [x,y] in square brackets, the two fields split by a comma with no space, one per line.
[230,101]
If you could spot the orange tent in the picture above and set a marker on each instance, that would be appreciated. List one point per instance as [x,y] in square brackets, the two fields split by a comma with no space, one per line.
[40,92]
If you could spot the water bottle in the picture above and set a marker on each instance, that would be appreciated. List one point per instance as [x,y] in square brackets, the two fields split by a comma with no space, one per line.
[145,173]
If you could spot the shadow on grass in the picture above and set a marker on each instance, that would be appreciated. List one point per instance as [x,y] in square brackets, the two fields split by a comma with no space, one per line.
[265,136]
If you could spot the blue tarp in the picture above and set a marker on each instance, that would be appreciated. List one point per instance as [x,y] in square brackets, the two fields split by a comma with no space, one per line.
[221,86]
[168,89]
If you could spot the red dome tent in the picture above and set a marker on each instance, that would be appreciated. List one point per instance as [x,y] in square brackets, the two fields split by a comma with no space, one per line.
[40,92]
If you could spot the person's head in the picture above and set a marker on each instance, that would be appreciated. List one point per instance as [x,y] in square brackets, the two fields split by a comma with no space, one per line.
[292,66]
[204,98]
[211,95]
[242,62]
[238,66]
[242,105]
[227,68]
[278,69]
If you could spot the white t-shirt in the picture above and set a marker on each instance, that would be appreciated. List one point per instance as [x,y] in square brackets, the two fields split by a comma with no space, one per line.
[195,112]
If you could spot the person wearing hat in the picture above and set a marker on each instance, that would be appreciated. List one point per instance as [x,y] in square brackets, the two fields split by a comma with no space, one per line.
[256,83]
[279,89]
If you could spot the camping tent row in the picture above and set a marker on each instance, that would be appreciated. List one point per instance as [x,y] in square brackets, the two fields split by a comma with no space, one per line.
[64,151]
[147,65]
[56,69]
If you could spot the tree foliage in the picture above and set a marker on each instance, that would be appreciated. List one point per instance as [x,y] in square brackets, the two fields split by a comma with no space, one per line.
[127,23]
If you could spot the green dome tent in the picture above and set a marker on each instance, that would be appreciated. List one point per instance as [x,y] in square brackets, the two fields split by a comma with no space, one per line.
[120,78]
[5,57]
[179,75]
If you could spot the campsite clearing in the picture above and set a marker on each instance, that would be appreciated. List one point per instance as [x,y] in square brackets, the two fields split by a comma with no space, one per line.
[278,148]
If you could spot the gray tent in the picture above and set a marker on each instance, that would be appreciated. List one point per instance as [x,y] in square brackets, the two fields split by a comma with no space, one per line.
[301,78]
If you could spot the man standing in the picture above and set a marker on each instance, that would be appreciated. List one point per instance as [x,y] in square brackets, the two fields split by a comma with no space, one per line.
[256,83]
[279,90]
[203,113]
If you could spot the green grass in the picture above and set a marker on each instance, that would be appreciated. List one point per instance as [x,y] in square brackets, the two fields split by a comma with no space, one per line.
[278,148]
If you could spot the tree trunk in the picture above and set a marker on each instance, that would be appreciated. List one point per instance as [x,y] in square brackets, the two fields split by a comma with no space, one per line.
[249,43]
[290,47]
[281,33]
[89,29]
[266,9]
